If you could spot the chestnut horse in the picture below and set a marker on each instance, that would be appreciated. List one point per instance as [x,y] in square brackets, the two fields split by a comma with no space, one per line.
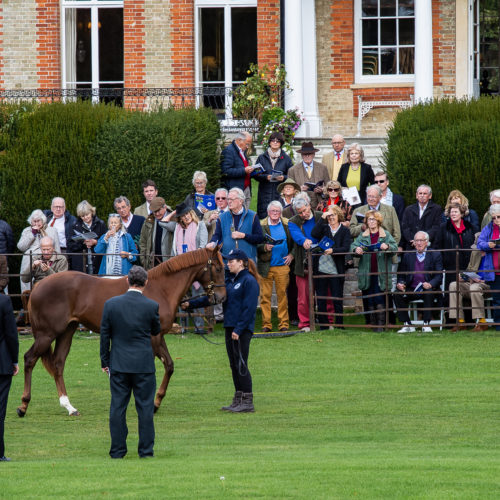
[61,301]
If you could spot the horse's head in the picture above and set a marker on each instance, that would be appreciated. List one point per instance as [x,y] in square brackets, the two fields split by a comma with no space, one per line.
[211,276]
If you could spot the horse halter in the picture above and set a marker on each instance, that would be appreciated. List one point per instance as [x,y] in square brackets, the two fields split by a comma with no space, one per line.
[210,292]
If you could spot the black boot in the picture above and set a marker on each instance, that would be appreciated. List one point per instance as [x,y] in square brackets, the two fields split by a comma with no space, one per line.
[235,403]
[246,405]
[380,318]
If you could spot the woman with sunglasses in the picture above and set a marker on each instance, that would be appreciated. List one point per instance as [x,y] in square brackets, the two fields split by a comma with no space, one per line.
[332,196]
[489,269]
[273,159]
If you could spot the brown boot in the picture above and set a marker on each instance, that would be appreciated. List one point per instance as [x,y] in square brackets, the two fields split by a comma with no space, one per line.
[246,405]
[480,327]
[235,403]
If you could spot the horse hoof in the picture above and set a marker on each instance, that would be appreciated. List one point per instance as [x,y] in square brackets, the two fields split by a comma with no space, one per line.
[75,413]
[20,413]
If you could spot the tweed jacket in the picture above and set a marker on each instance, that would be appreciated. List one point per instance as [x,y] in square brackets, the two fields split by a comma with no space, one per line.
[59,264]
[390,222]
[333,166]
[319,173]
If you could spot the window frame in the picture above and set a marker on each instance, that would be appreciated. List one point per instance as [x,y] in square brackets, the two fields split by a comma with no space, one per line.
[359,78]
[227,5]
[93,6]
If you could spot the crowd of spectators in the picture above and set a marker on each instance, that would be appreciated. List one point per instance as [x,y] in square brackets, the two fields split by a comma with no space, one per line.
[341,211]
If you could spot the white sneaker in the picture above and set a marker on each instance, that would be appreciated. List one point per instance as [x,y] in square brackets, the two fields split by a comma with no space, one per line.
[427,329]
[305,329]
[407,329]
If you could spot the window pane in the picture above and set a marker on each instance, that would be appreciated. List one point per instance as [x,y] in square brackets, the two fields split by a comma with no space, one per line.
[370,62]
[387,8]
[370,32]
[83,46]
[406,61]
[388,31]
[388,61]
[244,40]
[406,8]
[212,45]
[111,45]
[406,32]
[369,8]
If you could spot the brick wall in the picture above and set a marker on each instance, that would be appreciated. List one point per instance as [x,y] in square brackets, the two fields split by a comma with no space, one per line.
[182,43]
[158,45]
[48,44]
[268,33]
[134,43]
[444,47]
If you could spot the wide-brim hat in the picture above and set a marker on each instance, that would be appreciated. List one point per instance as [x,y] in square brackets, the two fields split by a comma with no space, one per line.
[182,209]
[156,204]
[307,147]
[236,254]
[288,182]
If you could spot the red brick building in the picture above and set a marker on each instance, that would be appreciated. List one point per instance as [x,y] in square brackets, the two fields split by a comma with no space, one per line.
[336,52]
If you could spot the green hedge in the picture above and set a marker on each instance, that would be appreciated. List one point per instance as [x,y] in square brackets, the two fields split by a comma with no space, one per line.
[449,145]
[166,146]
[97,152]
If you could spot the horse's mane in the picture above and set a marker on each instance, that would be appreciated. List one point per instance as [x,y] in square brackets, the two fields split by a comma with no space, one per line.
[179,262]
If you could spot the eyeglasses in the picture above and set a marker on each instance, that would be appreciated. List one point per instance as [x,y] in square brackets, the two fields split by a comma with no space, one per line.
[307,154]
[381,182]
[371,219]
[274,140]
[220,198]
[232,199]
[333,189]
[495,217]
[419,241]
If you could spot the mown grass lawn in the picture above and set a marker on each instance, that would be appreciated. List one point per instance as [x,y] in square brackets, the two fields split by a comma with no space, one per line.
[338,415]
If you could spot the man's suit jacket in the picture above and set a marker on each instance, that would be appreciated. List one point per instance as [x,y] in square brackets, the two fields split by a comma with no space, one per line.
[319,173]
[432,262]
[332,165]
[142,210]
[390,222]
[430,222]
[128,321]
[232,167]
[9,343]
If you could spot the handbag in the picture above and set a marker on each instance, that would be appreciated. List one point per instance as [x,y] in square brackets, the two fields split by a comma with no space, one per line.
[327,265]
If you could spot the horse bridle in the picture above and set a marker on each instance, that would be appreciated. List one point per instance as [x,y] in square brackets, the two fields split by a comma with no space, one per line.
[210,288]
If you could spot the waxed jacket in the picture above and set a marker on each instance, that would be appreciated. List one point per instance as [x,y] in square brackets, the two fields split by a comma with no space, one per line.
[383,258]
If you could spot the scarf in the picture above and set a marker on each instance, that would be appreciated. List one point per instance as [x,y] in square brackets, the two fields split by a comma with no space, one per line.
[113,258]
[460,230]
[388,197]
[273,156]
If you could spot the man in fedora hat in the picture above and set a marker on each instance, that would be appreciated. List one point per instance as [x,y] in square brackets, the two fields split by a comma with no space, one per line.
[309,171]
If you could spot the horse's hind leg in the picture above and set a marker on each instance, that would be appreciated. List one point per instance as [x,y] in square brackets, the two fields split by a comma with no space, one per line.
[161,351]
[61,350]
[40,347]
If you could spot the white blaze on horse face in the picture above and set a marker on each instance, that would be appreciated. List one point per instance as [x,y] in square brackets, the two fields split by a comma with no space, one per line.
[64,402]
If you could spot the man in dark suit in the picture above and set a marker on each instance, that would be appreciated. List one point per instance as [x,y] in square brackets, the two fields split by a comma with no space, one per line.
[235,165]
[418,278]
[9,350]
[128,321]
[388,197]
[425,215]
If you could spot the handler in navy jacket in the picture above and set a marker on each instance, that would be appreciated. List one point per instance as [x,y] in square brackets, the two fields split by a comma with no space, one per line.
[128,321]
[239,322]
[9,351]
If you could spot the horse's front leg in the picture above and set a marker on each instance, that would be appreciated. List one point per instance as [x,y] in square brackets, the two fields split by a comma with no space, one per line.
[161,351]
[39,347]
[61,350]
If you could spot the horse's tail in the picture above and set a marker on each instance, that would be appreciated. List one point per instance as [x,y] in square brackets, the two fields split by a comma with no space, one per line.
[48,361]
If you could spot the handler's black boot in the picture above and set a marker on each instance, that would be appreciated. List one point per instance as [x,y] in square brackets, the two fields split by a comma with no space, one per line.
[246,405]
[235,403]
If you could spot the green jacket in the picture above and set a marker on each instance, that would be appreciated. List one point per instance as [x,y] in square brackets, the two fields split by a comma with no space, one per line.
[147,238]
[263,256]
[383,257]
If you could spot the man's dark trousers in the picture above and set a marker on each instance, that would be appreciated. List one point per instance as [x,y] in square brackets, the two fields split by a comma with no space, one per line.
[5,381]
[144,387]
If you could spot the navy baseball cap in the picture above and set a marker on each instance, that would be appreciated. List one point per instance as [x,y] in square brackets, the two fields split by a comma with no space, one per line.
[236,254]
